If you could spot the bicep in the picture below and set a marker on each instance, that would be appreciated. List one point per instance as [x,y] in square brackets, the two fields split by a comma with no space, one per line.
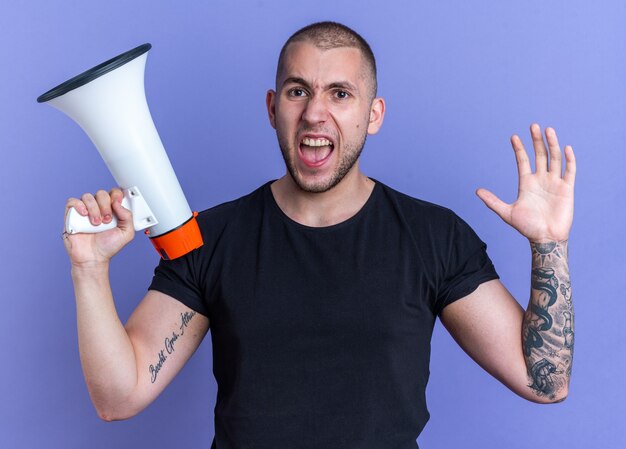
[164,334]
[487,324]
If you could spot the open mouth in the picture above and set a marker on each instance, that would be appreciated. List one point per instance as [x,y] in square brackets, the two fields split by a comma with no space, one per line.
[315,151]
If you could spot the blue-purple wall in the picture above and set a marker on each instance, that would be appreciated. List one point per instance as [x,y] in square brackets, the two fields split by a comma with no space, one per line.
[459,78]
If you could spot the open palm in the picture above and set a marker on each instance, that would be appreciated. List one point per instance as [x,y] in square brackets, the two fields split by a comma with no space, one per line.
[544,208]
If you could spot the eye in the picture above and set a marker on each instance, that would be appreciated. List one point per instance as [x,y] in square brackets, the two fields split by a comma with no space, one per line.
[341,94]
[296,92]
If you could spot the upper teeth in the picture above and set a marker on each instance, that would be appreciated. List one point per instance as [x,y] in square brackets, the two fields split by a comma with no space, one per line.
[316,142]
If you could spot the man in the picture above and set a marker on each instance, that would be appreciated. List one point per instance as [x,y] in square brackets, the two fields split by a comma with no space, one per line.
[321,288]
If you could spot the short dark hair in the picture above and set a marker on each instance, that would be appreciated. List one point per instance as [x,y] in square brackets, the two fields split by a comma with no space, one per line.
[327,35]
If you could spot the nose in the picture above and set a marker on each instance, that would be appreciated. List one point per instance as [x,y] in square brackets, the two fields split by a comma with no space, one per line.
[315,111]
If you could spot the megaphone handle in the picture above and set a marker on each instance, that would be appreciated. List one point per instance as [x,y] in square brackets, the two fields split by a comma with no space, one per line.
[133,200]
[76,223]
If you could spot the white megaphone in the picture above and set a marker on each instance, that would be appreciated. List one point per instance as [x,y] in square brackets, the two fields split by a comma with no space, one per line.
[109,103]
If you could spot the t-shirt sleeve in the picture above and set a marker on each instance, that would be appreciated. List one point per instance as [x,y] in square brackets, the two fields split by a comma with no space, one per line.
[177,279]
[466,265]
[191,279]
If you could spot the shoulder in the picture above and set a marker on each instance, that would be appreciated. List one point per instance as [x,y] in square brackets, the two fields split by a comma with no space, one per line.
[418,211]
[430,224]
[224,221]
[219,216]
[218,225]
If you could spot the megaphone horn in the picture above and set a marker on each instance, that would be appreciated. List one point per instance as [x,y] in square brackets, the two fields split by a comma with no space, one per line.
[109,103]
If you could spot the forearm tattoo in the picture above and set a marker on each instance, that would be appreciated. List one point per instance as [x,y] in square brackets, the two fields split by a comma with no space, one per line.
[548,327]
[169,345]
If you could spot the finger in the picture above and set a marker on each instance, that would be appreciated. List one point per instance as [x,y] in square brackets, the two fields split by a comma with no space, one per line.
[104,203]
[555,153]
[116,194]
[570,165]
[66,237]
[502,209]
[521,157]
[92,208]
[124,216]
[76,204]
[541,153]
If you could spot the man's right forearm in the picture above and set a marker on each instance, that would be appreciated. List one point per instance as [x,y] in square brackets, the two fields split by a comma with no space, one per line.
[106,352]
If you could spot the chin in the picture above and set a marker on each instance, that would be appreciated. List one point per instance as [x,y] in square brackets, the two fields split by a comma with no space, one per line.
[315,186]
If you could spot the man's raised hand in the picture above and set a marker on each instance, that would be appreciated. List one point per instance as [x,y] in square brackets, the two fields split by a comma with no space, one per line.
[88,249]
[544,208]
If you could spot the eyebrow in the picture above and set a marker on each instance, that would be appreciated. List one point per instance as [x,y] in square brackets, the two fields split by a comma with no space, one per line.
[336,85]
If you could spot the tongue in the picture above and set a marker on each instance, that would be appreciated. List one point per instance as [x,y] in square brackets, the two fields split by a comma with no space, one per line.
[315,154]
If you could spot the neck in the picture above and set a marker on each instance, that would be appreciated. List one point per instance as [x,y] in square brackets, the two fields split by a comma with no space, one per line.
[327,208]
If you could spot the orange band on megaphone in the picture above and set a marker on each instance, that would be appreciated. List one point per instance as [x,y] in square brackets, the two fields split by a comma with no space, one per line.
[178,241]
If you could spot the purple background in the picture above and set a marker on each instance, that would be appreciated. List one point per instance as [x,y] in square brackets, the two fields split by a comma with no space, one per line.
[459,78]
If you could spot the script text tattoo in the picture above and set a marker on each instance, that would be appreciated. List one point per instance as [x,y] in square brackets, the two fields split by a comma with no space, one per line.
[169,345]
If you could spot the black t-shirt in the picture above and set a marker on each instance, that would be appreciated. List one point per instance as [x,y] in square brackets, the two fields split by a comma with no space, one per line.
[321,336]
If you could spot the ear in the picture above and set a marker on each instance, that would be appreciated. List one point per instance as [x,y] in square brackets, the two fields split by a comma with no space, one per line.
[270,103]
[377,114]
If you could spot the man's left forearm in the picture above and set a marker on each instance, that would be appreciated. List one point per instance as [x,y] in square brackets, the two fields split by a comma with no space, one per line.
[548,326]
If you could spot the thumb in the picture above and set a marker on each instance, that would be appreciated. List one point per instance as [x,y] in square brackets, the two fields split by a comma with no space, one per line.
[502,209]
